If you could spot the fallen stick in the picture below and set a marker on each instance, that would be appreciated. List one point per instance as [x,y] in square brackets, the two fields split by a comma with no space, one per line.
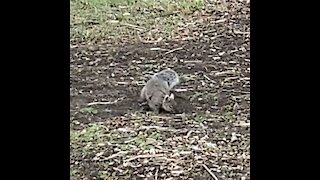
[227,90]
[157,49]
[209,79]
[115,155]
[158,128]
[172,50]
[210,172]
[105,103]
[156,174]
[100,103]
[143,156]
[133,26]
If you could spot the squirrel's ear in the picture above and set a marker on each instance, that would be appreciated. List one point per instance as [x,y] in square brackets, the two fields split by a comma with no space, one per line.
[171,96]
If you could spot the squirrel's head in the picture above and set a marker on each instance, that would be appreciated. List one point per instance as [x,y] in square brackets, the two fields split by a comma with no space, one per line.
[169,104]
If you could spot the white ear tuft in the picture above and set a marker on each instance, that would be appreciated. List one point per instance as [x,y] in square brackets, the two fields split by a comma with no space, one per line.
[171,96]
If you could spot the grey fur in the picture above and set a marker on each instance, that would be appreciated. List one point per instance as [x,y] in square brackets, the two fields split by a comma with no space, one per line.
[157,90]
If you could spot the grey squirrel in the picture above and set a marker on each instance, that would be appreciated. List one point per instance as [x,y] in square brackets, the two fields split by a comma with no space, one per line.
[157,91]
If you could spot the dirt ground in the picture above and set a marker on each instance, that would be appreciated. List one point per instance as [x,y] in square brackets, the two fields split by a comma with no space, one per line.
[209,138]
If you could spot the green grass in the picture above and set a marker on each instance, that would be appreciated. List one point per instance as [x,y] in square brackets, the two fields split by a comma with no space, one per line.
[93,20]
[90,137]
[228,113]
[89,110]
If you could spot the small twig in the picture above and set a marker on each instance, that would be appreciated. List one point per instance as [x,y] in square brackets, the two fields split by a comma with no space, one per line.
[225,73]
[215,37]
[125,130]
[220,20]
[115,155]
[172,50]
[230,78]
[118,169]
[100,103]
[210,172]
[245,78]
[144,156]
[189,133]
[240,32]
[227,90]
[105,103]
[122,83]
[157,49]
[156,174]
[209,79]
[243,125]
[193,61]
[130,140]
[133,26]
[159,128]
